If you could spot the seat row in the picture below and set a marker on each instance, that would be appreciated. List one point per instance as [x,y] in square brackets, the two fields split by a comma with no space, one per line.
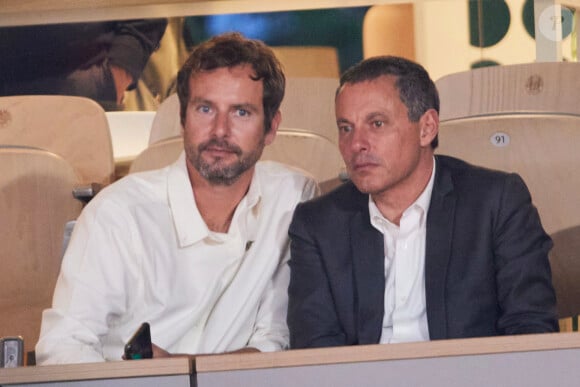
[520,118]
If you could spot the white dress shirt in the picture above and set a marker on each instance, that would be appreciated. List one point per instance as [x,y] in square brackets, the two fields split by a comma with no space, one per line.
[140,251]
[405,318]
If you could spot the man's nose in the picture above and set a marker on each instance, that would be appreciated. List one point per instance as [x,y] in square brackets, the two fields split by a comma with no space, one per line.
[221,125]
[359,140]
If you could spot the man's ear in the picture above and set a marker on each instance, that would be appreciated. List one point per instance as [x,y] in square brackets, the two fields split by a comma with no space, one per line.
[429,127]
[271,135]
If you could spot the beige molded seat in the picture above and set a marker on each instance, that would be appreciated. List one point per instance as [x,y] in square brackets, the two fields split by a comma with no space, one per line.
[525,119]
[389,29]
[74,128]
[309,105]
[166,122]
[308,151]
[158,155]
[308,61]
[35,202]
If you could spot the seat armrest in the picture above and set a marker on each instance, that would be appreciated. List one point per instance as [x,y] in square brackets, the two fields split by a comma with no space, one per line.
[85,193]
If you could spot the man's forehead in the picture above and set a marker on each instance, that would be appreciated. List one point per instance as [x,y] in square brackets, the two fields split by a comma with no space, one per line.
[242,67]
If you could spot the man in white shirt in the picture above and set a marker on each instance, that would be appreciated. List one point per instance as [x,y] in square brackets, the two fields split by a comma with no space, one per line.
[417,246]
[198,249]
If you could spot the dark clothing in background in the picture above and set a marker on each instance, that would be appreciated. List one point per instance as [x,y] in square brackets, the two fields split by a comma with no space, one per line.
[74,59]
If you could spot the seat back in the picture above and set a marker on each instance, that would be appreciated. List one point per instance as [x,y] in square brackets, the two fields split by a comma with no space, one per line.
[549,87]
[541,148]
[158,155]
[309,105]
[166,122]
[389,29]
[35,202]
[308,151]
[308,61]
[525,119]
[75,128]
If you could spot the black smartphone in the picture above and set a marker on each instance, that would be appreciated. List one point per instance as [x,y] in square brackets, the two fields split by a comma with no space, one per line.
[139,345]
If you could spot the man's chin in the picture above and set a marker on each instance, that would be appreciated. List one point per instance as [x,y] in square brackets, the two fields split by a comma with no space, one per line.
[219,163]
[364,185]
[222,174]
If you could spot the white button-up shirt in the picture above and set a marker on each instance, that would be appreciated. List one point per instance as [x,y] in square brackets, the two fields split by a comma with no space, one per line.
[141,251]
[405,317]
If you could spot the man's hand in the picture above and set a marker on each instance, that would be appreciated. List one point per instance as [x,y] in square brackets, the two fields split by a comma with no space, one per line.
[160,352]
[122,81]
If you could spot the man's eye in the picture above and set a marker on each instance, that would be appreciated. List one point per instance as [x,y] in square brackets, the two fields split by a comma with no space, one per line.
[378,124]
[344,128]
[204,109]
[243,112]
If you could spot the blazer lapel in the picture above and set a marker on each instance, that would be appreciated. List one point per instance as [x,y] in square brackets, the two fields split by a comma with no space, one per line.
[369,277]
[440,223]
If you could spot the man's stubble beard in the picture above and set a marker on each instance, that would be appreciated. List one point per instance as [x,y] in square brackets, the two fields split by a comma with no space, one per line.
[215,172]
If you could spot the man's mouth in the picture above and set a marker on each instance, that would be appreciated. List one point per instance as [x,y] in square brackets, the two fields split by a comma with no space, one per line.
[219,148]
[360,163]
[215,149]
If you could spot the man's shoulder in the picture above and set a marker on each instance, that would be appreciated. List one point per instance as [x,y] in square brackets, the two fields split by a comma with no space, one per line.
[330,212]
[275,169]
[464,169]
[344,198]
[134,188]
[477,180]
[272,174]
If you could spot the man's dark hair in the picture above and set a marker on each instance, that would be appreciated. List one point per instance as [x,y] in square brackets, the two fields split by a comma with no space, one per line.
[416,89]
[231,50]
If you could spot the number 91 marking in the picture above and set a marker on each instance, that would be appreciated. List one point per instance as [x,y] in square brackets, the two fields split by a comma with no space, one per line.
[500,139]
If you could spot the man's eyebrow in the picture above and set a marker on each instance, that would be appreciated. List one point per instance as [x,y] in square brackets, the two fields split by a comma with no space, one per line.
[340,122]
[199,100]
[246,106]
[372,115]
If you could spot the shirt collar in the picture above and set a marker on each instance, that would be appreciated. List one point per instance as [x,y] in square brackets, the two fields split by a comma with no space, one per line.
[246,214]
[255,191]
[189,226]
[424,199]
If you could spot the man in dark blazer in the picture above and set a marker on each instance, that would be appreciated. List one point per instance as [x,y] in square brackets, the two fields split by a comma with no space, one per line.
[477,263]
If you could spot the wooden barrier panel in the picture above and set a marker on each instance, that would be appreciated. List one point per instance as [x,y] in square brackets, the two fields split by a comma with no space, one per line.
[526,360]
[175,372]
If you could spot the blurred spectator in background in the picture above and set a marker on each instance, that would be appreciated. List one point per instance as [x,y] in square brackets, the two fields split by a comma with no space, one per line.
[95,60]
[158,79]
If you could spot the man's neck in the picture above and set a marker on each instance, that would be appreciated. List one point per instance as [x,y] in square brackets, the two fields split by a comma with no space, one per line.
[393,203]
[217,203]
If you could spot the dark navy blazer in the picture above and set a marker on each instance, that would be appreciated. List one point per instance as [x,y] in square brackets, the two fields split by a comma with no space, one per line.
[486,262]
